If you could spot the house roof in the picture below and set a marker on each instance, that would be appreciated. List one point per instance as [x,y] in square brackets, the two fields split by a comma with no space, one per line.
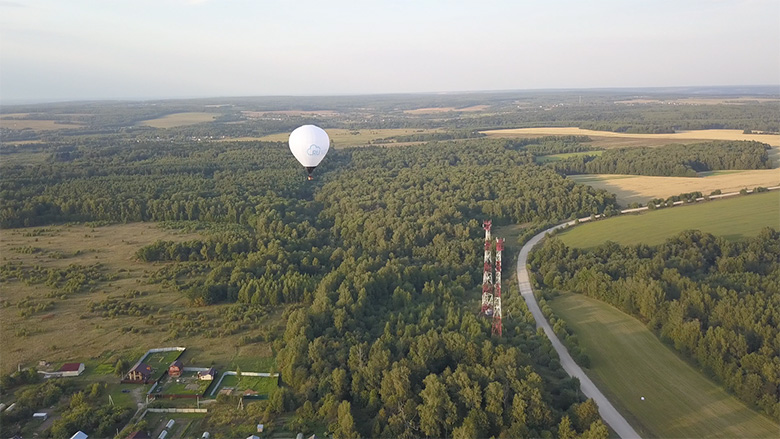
[143,368]
[79,435]
[70,367]
[176,363]
[211,371]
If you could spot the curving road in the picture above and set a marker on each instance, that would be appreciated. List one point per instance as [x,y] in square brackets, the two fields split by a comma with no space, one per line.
[606,410]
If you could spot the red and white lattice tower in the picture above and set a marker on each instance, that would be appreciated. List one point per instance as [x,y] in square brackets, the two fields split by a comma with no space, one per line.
[487,276]
[497,326]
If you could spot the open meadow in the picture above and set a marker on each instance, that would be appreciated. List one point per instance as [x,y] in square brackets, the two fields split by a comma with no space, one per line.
[642,188]
[343,138]
[110,307]
[629,363]
[15,122]
[732,218]
[179,119]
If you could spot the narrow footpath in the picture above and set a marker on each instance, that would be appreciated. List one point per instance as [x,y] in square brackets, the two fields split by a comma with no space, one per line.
[607,411]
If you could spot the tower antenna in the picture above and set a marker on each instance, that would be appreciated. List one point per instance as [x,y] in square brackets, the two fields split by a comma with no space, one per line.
[487,274]
[497,325]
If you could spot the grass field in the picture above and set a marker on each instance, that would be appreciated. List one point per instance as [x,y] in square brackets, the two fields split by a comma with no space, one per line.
[733,218]
[437,110]
[187,384]
[35,124]
[629,362]
[261,385]
[179,119]
[68,332]
[678,137]
[344,138]
[641,189]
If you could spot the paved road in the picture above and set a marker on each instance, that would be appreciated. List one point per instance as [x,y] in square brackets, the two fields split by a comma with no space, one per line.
[607,411]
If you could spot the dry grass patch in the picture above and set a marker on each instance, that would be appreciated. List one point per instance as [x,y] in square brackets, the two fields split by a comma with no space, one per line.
[678,137]
[58,334]
[180,119]
[641,189]
[259,114]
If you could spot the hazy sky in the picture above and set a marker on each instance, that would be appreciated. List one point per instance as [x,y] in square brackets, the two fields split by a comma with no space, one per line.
[87,49]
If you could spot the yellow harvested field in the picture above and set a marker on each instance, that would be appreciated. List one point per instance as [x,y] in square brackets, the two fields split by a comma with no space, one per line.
[180,119]
[678,137]
[641,189]
[435,110]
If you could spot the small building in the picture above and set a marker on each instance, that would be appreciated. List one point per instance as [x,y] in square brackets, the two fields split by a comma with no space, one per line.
[175,369]
[142,372]
[41,415]
[205,435]
[42,364]
[71,369]
[79,435]
[208,375]
[260,428]
[254,436]
[170,423]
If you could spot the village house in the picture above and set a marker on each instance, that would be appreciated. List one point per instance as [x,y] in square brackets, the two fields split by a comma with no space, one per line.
[207,375]
[142,372]
[175,369]
[71,369]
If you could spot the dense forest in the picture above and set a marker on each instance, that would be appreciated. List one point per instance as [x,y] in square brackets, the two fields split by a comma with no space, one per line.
[671,160]
[376,263]
[717,302]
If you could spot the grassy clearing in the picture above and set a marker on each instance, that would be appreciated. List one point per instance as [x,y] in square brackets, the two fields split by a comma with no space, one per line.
[678,137]
[344,138]
[35,124]
[564,156]
[180,119]
[733,218]
[187,384]
[629,362]
[641,189]
[261,385]
[438,110]
[61,334]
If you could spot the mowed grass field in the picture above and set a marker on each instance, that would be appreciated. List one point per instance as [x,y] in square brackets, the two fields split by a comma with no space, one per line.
[651,139]
[180,119]
[733,218]
[68,332]
[629,362]
[7,122]
[344,138]
[640,188]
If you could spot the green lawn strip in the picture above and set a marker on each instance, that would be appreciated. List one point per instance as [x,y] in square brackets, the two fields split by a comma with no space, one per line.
[255,364]
[629,362]
[732,218]
[262,385]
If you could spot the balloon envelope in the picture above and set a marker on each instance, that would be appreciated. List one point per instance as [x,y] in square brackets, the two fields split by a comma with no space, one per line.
[309,144]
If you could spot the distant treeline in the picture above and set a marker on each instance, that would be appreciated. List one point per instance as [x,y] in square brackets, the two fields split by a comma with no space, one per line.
[671,160]
[717,302]
[428,137]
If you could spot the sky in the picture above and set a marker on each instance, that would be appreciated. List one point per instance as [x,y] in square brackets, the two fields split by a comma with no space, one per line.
[147,49]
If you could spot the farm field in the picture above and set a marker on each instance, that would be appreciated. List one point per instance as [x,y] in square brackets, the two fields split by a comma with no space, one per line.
[437,110]
[6,122]
[66,331]
[640,188]
[629,362]
[733,218]
[678,137]
[345,138]
[180,119]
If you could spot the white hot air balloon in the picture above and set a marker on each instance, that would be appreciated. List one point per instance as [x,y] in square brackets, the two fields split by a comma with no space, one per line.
[309,144]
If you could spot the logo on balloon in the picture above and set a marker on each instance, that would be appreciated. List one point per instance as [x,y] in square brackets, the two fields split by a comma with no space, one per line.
[313,150]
